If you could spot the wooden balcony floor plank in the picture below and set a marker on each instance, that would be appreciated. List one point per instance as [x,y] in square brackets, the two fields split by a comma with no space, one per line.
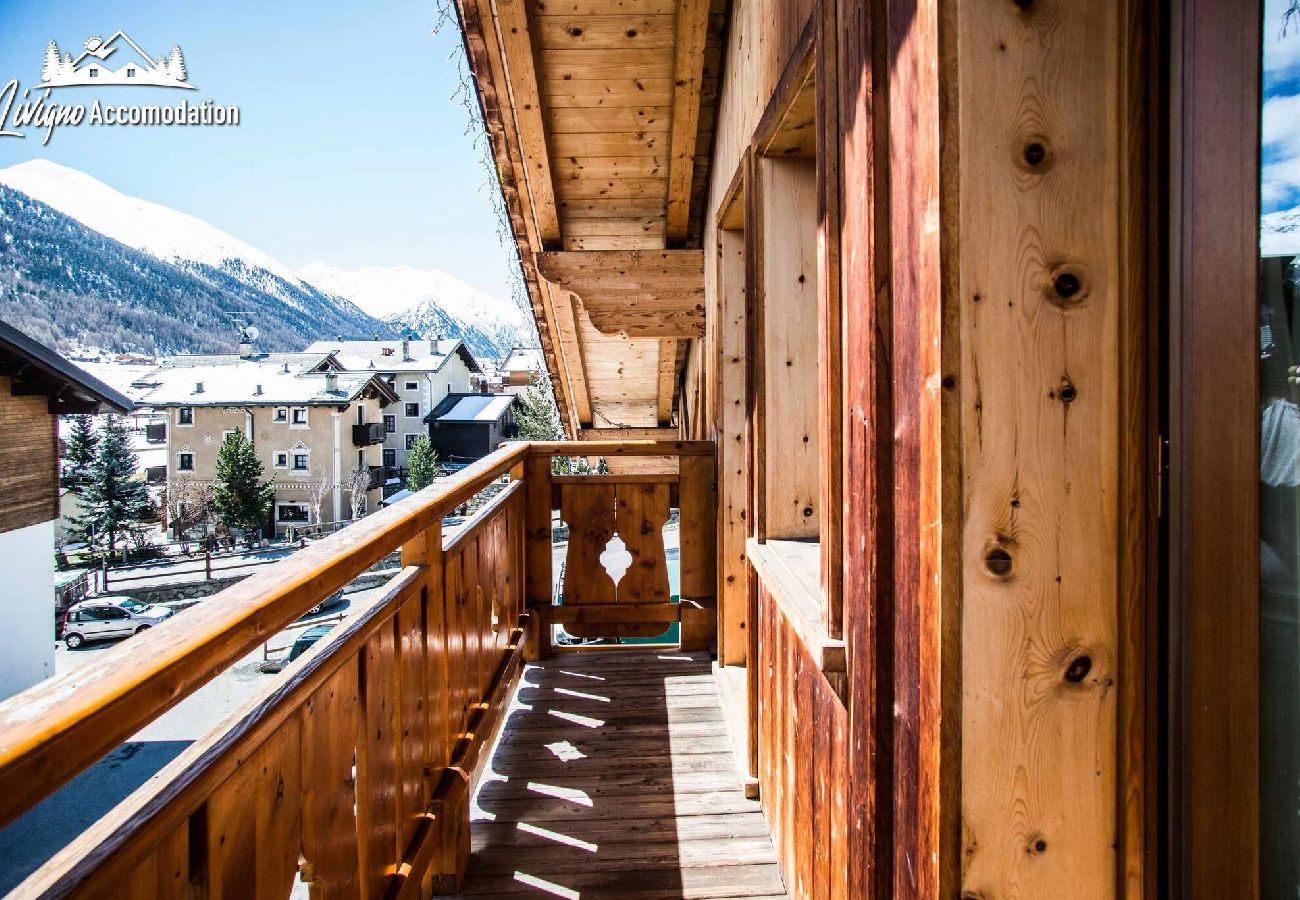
[613,776]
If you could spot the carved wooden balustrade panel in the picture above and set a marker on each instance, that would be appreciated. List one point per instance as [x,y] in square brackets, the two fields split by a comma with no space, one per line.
[640,604]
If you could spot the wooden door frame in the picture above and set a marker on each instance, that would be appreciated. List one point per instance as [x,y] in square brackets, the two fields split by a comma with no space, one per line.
[1213,562]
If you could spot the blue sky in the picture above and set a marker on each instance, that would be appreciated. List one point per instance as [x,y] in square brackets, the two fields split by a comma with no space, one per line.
[350,147]
[1280,178]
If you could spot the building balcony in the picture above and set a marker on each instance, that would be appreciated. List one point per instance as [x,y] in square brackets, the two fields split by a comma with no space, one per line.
[357,768]
[367,434]
[378,476]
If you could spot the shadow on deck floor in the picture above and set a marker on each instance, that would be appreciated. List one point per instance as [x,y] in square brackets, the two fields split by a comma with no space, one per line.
[613,776]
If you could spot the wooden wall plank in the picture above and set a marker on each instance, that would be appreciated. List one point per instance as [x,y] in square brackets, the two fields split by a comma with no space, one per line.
[789,299]
[730,389]
[29,469]
[1040,297]
[830,339]
[868,463]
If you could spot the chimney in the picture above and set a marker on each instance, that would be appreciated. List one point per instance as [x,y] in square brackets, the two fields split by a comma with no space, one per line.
[245,349]
[257,390]
[198,387]
[331,382]
[406,349]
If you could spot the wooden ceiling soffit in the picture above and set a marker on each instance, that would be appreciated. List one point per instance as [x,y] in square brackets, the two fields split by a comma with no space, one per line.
[639,293]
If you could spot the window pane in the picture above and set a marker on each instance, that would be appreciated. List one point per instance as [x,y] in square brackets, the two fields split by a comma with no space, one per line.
[1279,349]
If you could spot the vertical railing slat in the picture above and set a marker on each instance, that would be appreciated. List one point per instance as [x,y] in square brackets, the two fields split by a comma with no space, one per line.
[329,746]
[377,763]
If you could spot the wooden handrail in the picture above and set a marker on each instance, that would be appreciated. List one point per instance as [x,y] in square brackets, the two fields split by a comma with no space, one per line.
[56,729]
[620,448]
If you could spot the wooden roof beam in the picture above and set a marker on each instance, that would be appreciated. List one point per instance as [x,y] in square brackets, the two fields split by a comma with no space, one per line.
[525,99]
[571,359]
[667,380]
[484,52]
[639,293]
[688,78]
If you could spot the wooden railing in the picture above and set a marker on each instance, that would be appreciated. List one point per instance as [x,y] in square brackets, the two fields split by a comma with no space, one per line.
[352,771]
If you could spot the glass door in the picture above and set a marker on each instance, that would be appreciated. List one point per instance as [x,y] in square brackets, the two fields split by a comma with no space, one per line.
[1279,453]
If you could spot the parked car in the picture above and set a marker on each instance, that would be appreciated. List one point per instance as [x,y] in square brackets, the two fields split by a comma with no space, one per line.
[328,601]
[307,638]
[93,620]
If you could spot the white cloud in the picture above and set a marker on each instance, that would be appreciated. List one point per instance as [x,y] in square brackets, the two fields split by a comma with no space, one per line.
[1281,124]
[1280,180]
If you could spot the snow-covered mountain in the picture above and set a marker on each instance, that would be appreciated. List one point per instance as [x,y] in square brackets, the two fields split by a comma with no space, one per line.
[173,237]
[428,301]
[129,261]
[157,230]
[1279,233]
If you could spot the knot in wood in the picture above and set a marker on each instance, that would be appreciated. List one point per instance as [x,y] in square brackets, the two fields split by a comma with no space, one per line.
[1078,668]
[997,561]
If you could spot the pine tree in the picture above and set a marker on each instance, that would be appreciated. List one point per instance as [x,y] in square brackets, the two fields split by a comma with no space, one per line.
[53,66]
[537,417]
[241,498]
[176,64]
[114,496]
[422,464]
[79,453]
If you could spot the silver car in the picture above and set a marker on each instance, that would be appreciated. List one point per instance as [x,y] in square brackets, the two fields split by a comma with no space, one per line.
[93,620]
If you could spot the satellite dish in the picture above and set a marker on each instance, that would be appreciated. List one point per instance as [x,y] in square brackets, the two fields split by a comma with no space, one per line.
[251,332]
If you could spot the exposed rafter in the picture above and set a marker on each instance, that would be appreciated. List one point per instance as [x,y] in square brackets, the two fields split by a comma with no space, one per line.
[688,76]
[521,69]
[667,380]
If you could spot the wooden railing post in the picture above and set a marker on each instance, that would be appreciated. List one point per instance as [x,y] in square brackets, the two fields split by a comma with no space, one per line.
[426,550]
[538,587]
[698,530]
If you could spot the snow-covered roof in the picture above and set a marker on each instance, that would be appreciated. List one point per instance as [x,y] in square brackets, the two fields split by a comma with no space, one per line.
[475,408]
[297,362]
[386,356]
[257,381]
[524,359]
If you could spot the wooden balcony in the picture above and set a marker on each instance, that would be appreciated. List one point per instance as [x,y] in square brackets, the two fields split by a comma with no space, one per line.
[366,767]
[368,433]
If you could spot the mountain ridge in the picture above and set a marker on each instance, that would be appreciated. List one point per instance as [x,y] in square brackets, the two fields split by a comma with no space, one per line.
[219,278]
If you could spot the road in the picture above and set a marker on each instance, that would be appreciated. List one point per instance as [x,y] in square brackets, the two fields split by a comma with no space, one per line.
[184,569]
[42,831]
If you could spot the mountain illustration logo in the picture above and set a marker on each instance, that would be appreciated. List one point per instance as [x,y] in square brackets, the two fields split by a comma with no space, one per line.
[130,67]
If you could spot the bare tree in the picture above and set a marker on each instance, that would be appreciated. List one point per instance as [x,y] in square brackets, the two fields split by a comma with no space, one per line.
[187,503]
[357,483]
[317,493]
